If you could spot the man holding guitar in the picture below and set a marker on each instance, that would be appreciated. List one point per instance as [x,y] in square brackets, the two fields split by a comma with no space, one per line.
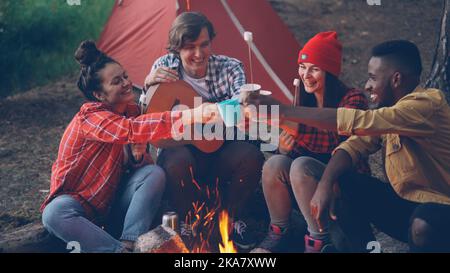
[236,164]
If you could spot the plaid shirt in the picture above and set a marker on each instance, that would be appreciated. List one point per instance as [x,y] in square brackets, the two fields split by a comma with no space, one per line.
[224,75]
[317,141]
[90,157]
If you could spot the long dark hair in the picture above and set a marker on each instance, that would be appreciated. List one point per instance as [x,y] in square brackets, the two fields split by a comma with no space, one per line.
[91,61]
[335,90]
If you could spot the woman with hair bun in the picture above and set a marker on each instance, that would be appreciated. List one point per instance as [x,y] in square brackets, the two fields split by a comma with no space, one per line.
[93,180]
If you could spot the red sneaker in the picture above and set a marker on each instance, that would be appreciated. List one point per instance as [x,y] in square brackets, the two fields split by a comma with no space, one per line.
[318,246]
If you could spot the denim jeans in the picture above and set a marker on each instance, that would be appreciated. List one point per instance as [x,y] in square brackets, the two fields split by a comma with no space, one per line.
[136,205]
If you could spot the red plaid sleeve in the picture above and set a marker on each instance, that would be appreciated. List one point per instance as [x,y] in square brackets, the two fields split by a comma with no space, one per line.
[354,99]
[101,124]
[322,141]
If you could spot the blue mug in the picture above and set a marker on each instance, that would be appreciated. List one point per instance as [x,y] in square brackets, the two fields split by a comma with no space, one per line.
[230,111]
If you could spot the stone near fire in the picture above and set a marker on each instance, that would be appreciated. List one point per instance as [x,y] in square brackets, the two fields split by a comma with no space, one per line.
[160,240]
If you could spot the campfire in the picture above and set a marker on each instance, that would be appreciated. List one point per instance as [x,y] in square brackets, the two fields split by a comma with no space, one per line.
[204,235]
[206,229]
[208,221]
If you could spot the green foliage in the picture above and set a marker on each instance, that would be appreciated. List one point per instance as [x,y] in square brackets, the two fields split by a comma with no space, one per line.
[38,38]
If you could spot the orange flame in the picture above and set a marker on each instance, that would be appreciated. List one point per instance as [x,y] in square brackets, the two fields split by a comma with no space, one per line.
[202,222]
[227,245]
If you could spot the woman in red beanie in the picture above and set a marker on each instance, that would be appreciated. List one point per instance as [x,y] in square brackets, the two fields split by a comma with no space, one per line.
[301,159]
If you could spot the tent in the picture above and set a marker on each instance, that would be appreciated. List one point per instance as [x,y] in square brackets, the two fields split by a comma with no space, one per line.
[136,35]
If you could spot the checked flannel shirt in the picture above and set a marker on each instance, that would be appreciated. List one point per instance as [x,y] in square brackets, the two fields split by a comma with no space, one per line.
[90,157]
[224,75]
[317,141]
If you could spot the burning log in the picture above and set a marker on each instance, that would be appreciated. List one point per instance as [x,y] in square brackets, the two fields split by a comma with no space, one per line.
[160,240]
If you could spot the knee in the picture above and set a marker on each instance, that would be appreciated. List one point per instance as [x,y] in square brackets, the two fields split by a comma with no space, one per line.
[55,213]
[304,169]
[250,154]
[275,168]
[50,217]
[176,161]
[420,234]
[256,156]
[156,177]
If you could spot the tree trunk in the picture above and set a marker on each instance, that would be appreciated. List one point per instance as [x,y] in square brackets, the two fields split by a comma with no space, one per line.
[440,71]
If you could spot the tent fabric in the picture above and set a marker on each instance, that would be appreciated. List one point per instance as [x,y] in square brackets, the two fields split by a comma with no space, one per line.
[136,34]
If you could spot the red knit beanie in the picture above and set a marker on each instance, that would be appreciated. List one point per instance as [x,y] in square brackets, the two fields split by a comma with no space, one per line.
[323,50]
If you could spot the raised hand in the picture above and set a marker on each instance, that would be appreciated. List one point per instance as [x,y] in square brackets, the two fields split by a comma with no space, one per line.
[287,143]
[210,113]
[160,75]
[205,113]
[255,98]
[138,150]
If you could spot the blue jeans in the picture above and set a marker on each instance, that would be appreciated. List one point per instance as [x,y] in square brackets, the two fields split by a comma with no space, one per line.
[137,203]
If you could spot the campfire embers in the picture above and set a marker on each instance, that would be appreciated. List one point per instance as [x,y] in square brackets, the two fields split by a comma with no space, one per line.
[203,230]
[164,239]
[200,227]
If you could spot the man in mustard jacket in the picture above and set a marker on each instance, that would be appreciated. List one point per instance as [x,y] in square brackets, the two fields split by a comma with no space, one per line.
[412,126]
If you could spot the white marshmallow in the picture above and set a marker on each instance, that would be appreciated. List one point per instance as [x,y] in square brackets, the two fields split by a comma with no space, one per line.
[142,98]
[296,82]
[248,36]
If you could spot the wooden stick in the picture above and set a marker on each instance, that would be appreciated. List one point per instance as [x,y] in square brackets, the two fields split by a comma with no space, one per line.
[296,102]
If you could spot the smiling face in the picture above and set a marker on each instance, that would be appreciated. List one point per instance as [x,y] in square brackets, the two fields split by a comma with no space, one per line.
[117,89]
[379,84]
[313,78]
[195,54]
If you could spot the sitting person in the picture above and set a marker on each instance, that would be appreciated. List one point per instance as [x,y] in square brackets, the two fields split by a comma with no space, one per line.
[236,165]
[284,174]
[89,176]
[413,128]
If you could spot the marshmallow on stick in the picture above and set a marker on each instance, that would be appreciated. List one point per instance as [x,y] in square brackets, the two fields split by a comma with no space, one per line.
[296,92]
[248,37]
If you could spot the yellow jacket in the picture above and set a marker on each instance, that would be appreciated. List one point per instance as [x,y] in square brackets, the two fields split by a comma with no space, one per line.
[416,135]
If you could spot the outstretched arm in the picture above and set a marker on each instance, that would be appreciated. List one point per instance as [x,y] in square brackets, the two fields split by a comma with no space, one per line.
[322,118]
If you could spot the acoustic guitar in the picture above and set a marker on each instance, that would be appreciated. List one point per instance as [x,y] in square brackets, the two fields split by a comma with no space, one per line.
[164,97]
